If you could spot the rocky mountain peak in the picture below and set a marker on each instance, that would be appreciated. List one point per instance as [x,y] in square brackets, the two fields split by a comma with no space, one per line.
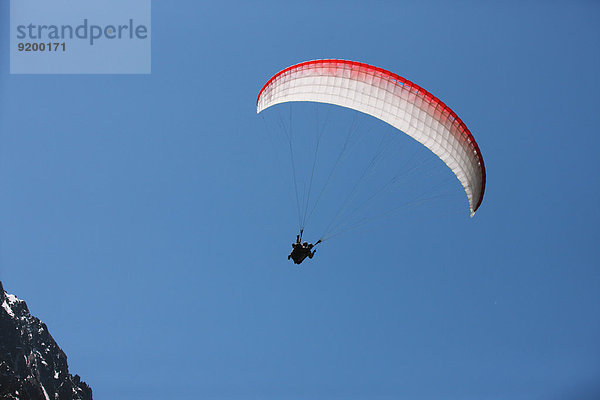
[32,366]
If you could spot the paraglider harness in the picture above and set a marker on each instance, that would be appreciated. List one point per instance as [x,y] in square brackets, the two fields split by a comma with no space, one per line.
[300,251]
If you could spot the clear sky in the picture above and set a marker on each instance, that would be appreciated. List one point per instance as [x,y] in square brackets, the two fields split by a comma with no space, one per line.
[146,219]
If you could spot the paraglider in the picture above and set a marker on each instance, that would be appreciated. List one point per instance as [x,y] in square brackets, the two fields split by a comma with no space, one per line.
[391,99]
[300,251]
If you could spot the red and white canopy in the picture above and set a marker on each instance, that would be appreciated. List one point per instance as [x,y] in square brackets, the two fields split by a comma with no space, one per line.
[392,99]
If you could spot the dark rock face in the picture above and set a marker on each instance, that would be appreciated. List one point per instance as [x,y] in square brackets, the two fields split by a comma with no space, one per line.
[32,366]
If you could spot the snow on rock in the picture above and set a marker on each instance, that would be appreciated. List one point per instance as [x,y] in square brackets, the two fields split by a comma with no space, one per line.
[8,309]
[45,393]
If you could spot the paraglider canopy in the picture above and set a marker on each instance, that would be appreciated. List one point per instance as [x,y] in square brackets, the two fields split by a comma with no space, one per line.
[392,99]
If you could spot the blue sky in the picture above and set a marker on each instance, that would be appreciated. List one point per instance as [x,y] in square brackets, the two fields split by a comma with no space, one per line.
[146,219]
